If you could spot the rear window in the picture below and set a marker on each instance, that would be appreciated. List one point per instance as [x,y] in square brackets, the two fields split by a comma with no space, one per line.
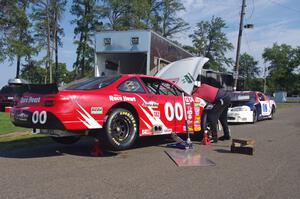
[242,96]
[91,83]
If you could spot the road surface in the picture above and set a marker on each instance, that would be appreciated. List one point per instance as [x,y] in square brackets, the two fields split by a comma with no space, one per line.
[57,171]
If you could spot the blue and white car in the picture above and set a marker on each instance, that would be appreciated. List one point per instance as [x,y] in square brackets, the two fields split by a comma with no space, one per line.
[250,106]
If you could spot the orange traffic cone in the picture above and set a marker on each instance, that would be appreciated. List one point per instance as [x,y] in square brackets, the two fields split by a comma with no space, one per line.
[97,149]
[205,140]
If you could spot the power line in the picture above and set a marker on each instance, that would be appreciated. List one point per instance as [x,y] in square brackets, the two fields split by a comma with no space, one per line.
[284,6]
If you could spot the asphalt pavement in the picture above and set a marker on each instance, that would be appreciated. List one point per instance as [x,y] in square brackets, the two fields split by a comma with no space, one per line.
[58,171]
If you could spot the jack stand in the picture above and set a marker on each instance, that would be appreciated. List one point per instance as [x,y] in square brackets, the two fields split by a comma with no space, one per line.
[180,143]
[97,150]
[206,140]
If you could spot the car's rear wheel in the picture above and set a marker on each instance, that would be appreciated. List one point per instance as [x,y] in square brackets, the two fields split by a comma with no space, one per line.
[66,140]
[121,129]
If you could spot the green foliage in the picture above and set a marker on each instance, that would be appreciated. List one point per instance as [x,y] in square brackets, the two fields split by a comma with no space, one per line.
[33,72]
[249,70]
[86,23]
[211,42]
[158,15]
[46,15]
[168,23]
[283,60]
[15,37]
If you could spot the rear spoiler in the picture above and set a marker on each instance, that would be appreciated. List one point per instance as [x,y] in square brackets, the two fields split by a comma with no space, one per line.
[41,88]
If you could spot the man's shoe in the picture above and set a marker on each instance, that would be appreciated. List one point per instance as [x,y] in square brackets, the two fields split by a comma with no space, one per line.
[224,137]
[214,140]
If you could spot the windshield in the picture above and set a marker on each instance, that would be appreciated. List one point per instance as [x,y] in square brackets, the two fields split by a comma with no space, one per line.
[91,83]
[243,97]
[12,89]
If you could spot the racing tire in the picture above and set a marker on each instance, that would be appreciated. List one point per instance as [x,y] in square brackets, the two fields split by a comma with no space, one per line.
[66,140]
[272,113]
[121,129]
[254,116]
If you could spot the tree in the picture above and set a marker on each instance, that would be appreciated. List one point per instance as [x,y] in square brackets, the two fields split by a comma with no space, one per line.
[15,37]
[283,60]
[48,32]
[248,69]
[86,23]
[33,72]
[116,13]
[211,42]
[166,22]
[57,7]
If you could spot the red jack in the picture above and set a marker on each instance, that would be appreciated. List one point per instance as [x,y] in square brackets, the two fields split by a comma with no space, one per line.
[205,140]
[97,150]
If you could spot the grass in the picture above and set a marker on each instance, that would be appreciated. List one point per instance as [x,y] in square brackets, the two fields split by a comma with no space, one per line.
[6,126]
[283,105]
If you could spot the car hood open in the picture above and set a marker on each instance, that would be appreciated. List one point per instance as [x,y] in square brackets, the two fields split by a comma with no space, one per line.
[183,72]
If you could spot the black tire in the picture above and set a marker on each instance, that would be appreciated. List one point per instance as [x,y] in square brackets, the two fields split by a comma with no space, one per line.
[272,113]
[254,116]
[66,140]
[121,129]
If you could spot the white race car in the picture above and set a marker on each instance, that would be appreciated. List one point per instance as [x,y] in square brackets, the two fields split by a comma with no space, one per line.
[250,106]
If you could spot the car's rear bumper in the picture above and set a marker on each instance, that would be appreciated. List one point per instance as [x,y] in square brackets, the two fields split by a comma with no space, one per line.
[24,118]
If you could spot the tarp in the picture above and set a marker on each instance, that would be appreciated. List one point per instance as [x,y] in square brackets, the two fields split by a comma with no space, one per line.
[183,72]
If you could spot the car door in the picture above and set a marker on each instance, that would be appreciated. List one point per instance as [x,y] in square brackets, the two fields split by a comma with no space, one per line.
[169,113]
[264,105]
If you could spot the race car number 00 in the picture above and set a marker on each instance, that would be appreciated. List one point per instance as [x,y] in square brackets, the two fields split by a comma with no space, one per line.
[173,111]
[39,117]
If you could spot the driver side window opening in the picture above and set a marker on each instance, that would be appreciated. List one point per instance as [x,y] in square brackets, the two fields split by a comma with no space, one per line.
[131,85]
[160,87]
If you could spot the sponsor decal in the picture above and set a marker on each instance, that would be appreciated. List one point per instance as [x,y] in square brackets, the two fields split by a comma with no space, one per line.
[189,99]
[116,98]
[150,104]
[197,118]
[22,116]
[146,132]
[197,99]
[190,128]
[87,119]
[30,100]
[197,111]
[197,128]
[156,114]
[96,110]
[187,79]
[167,131]
[10,98]
[197,105]
[190,117]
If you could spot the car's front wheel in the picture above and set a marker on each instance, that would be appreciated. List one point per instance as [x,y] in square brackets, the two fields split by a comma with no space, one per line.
[254,116]
[66,140]
[121,129]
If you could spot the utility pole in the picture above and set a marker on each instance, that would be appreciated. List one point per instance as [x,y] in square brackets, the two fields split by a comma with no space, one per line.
[237,60]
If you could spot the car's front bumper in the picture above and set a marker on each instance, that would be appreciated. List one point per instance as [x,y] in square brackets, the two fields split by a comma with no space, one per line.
[240,116]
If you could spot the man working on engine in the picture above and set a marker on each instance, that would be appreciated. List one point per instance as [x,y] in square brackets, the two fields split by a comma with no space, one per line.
[221,101]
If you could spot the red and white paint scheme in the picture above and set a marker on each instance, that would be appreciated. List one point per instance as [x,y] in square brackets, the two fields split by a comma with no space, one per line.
[119,108]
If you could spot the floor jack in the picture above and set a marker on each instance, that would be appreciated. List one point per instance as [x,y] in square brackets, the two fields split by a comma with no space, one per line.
[180,143]
[97,150]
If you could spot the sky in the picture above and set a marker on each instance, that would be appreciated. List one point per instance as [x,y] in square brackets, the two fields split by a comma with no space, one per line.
[274,21]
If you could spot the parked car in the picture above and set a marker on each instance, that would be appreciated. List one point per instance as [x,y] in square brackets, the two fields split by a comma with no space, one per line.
[118,108]
[250,106]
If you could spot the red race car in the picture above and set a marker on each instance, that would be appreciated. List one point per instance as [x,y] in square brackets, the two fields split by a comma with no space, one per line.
[117,108]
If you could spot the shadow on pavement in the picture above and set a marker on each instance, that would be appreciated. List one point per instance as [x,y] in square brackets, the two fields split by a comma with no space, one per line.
[222,151]
[45,147]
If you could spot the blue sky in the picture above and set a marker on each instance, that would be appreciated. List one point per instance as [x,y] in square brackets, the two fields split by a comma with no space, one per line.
[274,21]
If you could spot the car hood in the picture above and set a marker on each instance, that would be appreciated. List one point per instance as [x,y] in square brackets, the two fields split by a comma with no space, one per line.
[183,72]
